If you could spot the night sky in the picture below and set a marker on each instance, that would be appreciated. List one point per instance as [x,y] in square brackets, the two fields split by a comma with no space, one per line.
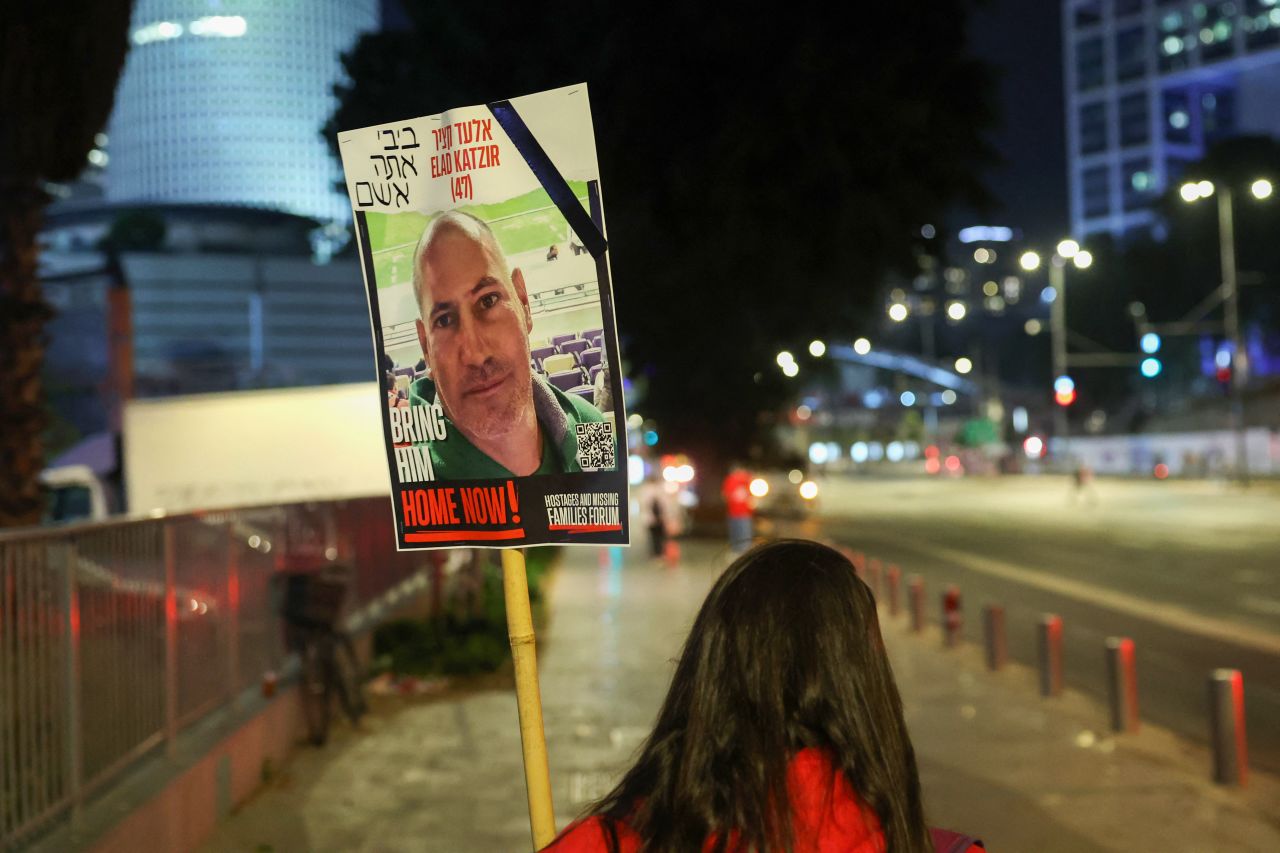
[1023,41]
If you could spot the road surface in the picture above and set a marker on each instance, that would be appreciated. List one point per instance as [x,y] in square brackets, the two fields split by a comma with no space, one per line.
[1189,570]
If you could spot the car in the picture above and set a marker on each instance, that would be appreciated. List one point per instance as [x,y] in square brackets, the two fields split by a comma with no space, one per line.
[784,493]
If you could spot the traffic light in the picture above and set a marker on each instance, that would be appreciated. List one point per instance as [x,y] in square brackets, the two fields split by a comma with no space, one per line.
[1222,361]
[1151,367]
[1064,390]
[1150,343]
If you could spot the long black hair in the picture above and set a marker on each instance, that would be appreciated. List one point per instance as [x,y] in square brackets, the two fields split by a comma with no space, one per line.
[785,654]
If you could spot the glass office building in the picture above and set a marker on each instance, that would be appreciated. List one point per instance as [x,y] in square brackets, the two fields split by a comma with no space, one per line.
[1150,85]
[222,101]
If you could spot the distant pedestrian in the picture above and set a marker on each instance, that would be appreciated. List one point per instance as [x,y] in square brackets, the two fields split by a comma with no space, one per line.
[736,490]
[652,513]
[1083,489]
[782,729]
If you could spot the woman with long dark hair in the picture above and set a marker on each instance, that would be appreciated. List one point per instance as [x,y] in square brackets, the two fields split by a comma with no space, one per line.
[782,730]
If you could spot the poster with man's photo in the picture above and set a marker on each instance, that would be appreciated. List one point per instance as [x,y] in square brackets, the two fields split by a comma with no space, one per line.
[482,240]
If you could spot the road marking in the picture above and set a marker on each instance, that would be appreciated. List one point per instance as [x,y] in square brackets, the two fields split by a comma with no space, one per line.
[1169,615]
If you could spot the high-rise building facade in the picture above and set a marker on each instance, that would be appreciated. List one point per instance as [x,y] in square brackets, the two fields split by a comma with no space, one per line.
[222,101]
[1150,85]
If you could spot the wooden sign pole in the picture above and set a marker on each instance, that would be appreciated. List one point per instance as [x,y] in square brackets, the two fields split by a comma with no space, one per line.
[533,740]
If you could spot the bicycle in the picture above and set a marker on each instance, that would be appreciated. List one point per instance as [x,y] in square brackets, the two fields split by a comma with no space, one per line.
[329,670]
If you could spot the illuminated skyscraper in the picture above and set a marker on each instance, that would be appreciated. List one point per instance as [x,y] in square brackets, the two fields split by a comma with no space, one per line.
[221,102]
[1150,85]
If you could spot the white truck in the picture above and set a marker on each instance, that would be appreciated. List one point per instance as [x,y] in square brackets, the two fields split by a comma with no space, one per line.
[237,448]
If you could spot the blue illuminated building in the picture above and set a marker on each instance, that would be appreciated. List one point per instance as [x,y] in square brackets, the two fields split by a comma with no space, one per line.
[214,147]
[222,103]
[1150,84]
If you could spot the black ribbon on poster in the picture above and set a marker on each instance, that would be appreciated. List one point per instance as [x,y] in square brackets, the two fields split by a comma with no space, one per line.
[550,178]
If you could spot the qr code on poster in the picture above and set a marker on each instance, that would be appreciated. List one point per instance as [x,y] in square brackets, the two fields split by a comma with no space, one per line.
[596,447]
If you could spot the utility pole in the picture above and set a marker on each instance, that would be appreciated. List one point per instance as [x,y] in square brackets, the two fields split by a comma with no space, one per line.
[1231,299]
[929,348]
[1058,332]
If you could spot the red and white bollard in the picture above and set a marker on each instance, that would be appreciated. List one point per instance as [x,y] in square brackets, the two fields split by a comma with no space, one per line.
[916,587]
[852,556]
[1226,727]
[895,589]
[997,647]
[1122,681]
[1050,655]
[952,618]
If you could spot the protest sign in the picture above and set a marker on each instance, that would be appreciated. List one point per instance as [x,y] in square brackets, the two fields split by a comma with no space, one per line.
[482,241]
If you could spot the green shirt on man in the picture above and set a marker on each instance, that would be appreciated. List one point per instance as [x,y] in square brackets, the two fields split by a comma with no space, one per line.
[456,458]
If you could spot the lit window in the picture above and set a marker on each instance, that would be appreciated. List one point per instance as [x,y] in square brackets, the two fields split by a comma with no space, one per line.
[1261,23]
[1217,29]
[1173,41]
[1217,114]
[1177,116]
[1139,184]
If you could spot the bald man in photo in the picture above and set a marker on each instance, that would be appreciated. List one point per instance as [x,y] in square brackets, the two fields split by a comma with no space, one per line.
[501,418]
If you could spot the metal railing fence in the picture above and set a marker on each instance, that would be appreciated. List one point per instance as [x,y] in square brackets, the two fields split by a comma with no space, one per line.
[116,636]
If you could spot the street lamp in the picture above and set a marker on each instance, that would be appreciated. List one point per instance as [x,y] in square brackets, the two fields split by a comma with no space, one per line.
[862,346]
[1261,189]
[963,365]
[898,312]
[1082,259]
[817,349]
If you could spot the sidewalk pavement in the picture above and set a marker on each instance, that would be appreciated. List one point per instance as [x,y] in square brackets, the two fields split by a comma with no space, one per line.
[997,760]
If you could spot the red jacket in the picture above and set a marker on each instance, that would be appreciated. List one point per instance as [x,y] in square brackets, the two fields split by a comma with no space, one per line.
[826,815]
[737,494]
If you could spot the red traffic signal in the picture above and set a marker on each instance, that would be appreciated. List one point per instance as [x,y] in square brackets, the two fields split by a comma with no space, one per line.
[1065,398]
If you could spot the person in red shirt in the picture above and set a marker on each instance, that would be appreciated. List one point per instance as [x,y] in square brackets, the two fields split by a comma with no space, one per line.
[737,499]
[782,729]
